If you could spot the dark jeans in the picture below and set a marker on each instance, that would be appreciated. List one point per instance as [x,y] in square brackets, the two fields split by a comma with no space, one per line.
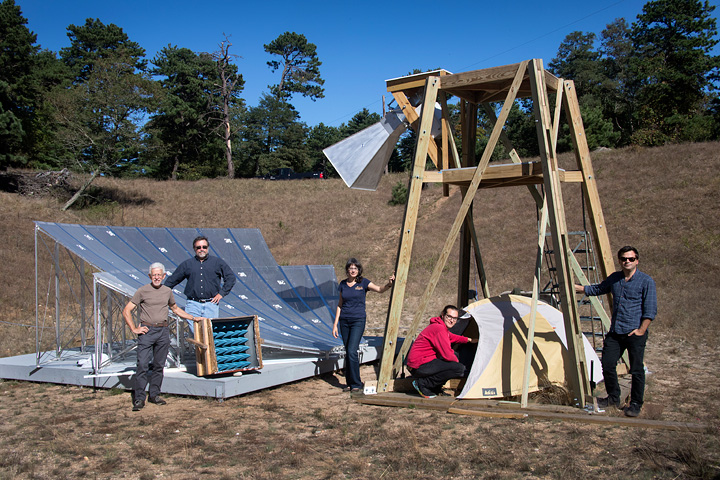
[351,331]
[431,376]
[153,344]
[613,348]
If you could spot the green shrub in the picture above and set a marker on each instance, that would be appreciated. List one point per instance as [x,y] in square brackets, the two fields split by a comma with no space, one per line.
[399,194]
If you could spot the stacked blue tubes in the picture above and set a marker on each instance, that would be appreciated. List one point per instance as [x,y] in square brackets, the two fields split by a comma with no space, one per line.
[230,345]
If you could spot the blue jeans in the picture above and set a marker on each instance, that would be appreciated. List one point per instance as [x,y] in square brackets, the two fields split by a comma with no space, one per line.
[431,376]
[351,331]
[201,309]
[153,344]
[613,348]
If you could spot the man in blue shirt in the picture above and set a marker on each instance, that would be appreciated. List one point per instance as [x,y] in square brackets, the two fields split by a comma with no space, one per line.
[634,307]
[204,275]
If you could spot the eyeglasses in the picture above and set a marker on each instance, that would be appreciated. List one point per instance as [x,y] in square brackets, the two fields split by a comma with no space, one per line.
[201,247]
[451,317]
[627,259]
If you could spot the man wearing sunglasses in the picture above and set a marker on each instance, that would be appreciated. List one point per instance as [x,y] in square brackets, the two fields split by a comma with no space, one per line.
[208,280]
[431,358]
[634,307]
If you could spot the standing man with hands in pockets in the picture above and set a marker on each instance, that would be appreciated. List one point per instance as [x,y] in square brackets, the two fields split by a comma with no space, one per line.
[153,301]
[634,307]
[208,280]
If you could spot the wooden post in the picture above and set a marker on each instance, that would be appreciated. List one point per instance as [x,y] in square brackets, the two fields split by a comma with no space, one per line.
[534,305]
[462,213]
[407,235]
[578,375]
[592,197]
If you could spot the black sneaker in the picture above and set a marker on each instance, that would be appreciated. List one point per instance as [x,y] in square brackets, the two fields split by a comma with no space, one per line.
[607,402]
[422,394]
[157,400]
[138,405]
[633,410]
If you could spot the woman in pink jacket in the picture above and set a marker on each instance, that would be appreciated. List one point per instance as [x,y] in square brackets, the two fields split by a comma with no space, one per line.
[431,358]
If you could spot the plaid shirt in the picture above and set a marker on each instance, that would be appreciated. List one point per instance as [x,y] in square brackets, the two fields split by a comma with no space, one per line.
[633,300]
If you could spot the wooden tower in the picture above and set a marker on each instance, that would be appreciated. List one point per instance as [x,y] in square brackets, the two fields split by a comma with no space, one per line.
[479,88]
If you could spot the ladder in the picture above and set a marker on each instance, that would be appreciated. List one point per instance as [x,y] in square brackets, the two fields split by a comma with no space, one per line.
[584,252]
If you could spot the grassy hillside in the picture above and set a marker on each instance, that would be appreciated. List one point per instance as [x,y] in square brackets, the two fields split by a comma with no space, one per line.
[662,200]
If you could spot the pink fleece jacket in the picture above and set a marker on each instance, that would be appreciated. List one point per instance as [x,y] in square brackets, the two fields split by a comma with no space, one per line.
[434,342]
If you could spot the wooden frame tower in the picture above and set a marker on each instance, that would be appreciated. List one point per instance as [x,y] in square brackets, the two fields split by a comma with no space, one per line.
[480,88]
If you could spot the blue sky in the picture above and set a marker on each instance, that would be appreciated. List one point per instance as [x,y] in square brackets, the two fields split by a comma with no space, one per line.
[360,44]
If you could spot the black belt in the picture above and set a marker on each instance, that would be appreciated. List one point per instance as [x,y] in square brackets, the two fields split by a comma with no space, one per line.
[163,324]
[201,300]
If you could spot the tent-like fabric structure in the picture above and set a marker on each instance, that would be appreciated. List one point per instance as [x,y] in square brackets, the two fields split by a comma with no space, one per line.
[499,361]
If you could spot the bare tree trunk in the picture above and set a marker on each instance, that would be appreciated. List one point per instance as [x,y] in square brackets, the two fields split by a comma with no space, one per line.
[79,193]
[176,165]
[227,85]
[228,146]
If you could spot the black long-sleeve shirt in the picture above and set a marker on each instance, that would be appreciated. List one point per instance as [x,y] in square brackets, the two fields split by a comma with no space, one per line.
[203,278]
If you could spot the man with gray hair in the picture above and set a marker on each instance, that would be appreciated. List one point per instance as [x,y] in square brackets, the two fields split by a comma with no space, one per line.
[152,301]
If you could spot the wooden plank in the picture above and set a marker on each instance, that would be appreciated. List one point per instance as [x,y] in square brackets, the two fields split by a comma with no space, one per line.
[580,383]
[258,341]
[460,217]
[473,78]
[413,81]
[513,410]
[592,197]
[201,346]
[534,303]
[478,258]
[412,116]
[405,401]
[407,236]
[490,112]
[512,174]
[586,418]
[446,136]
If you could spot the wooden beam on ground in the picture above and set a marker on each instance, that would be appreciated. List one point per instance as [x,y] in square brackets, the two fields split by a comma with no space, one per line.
[513,410]
[585,418]
[407,236]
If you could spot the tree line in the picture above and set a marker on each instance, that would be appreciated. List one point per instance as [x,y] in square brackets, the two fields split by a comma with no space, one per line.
[101,107]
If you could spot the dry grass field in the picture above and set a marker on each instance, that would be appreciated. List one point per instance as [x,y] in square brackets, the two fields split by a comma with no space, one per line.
[662,200]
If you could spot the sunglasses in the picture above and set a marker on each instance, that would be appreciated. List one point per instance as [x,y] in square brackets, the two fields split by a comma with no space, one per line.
[201,247]
[627,259]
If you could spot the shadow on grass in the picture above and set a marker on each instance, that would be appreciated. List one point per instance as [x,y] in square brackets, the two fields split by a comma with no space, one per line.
[96,196]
